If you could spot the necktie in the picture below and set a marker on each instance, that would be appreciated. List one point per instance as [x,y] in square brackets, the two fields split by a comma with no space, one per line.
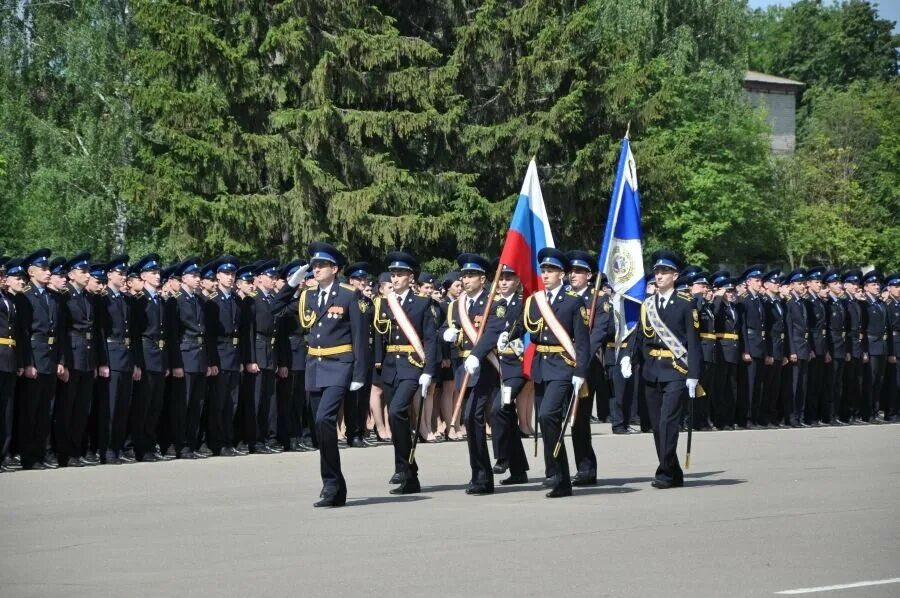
[322,296]
[470,304]
[549,297]
[662,303]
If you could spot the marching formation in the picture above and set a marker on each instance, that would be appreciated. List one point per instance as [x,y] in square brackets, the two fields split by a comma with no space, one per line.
[129,360]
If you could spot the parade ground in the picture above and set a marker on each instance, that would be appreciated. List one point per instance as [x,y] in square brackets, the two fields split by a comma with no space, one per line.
[763,513]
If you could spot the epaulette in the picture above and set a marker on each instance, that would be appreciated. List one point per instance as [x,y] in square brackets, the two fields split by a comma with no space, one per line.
[175,295]
[685,296]
[27,288]
[63,291]
[571,293]
[252,294]
[349,287]
[212,295]
[104,293]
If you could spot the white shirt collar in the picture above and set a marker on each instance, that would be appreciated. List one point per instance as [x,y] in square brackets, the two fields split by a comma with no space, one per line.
[666,296]
[326,289]
[554,293]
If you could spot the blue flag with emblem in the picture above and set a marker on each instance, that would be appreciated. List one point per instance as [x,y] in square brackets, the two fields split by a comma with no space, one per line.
[621,254]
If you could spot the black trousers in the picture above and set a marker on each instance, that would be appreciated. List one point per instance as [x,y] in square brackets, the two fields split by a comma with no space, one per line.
[34,418]
[188,394]
[73,407]
[505,436]
[799,371]
[553,398]
[477,398]
[852,387]
[146,410]
[326,403]
[112,411]
[815,390]
[399,396]
[223,403]
[599,391]
[725,396]
[621,400]
[261,408]
[873,378]
[771,391]
[585,458]
[664,403]
[749,397]
[833,392]
[356,410]
[702,404]
[299,414]
[7,408]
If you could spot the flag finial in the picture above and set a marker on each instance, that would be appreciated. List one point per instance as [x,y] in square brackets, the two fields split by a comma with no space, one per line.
[628,130]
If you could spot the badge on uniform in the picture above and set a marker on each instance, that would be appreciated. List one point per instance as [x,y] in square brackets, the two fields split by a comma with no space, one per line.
[363,306]
[584,315]
[336,312]
[696,319]
[501,311]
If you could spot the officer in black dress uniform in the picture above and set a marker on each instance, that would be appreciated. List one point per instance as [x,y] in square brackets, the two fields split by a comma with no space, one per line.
[557,378]
[820,358]
[78,323]
[356,404]
[39,317]
[478,360]
[797,326]
[878,346]
[405,375]
[509,453]
[336,361]
[728,314]
[117,345]
[754,336]
[665,377]
[223,323]
[775,349]
[582,270]
[152,335]
[10,358]
[836,326]
[892,282]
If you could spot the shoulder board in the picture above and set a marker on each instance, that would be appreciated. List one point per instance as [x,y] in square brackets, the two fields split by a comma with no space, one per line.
[498,297]
[27,288]
[139,295]
[63,291]
[344,285]
[176,294]
[104,293]
[213,295]
[572,294]
[253,294]
[685,296]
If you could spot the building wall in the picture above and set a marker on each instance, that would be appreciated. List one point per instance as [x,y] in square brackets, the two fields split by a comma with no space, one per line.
[781,115]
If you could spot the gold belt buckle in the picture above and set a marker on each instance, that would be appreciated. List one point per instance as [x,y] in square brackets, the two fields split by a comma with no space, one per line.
[273,341]
[51,340]
[234,341]
[127,342]
[162,344]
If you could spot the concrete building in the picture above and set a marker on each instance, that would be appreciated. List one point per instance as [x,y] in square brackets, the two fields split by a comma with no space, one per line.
[779,96]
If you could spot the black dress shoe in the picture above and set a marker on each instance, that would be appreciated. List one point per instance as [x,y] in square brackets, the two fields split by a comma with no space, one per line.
[662,485]
[200,455]
[74,462]
[585,478]
[549,482]
[501,467]
[50,460]
[410,486]
[332,500]
[37,465]
[560,491]
[357,442]
[480,490]
[148,458]
[50,464]
[189,455]
[513,479]
[228,451]
[395,479]
[621,431]
[304,447]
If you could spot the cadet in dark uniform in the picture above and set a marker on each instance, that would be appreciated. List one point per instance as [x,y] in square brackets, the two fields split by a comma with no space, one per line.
[467,313]
[117,344]
[356,404]
[151,334]
[223,325]
[836,326]
[729,352]
[77,322]
[405,373]
[580,273]
[509,453]
[816,397]
[753,338]
[775,349]
[797,326]
[39,317]
[624,403]
[10,359]
[336,361]
[892,281]
[188,358]
[666,374]
[701,293]
[557,378]
[877,346]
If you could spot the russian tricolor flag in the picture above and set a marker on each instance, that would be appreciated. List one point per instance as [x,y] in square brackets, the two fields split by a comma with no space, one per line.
[528,233]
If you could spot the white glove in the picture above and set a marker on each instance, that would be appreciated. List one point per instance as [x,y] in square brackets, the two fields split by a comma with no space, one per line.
[354,386]
[424,383]
[691,384]
[503,341]
[451,334]
[625,366]
[472,365]
[577,382]
[297,277]
[518,346]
